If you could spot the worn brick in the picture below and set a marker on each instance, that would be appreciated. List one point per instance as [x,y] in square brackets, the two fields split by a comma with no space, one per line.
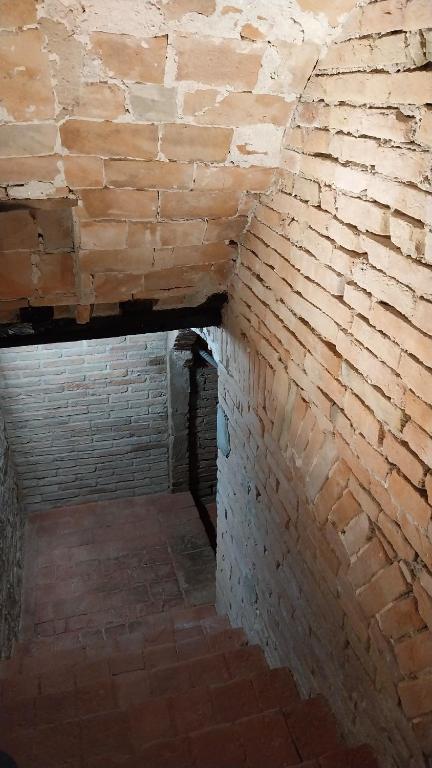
[100,100]
[18,231]
[27,140]
[130,58]
[198,204]
[387,586]
[219,62]
[25,91]
[85,137]
[190,142]
[83,172]
[401,618]
[119,204]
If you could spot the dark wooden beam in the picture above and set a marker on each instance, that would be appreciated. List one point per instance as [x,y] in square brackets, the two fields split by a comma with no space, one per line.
[38,326]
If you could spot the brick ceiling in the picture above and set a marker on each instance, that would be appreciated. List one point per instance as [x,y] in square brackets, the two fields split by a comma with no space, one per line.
[134,141]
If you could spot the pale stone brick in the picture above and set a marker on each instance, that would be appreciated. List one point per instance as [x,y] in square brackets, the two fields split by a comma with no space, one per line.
[153,103]
[27,140]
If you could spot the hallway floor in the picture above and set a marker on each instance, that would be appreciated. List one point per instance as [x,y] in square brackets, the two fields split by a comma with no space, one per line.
[123,661]
[96,571]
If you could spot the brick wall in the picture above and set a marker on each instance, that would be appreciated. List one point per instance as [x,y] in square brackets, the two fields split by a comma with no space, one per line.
[11,543]
[87,420]
[202,432]
[326,379]
[157,125]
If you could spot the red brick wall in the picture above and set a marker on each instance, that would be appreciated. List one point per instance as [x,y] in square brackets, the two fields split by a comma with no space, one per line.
[325,533]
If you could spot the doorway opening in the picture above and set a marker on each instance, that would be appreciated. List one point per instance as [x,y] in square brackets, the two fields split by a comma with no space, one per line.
[203,450]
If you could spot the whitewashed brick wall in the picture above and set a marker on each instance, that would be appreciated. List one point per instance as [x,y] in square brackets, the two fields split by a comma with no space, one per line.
[87,420]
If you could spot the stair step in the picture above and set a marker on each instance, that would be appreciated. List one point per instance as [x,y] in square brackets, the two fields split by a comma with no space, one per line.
[215,711]
[159,733]
[173,625]
[314,728]
[355,757]
[210,636]
[130,680]
[114,671]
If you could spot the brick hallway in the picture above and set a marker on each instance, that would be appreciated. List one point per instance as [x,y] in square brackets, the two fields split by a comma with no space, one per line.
[124,662]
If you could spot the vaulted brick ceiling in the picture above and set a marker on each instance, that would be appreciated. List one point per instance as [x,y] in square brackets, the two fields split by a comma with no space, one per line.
[134,139]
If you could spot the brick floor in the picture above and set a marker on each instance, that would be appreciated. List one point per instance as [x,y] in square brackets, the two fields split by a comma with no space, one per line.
[124,663]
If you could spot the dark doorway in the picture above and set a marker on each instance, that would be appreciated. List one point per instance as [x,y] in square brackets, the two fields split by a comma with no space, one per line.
[203,434]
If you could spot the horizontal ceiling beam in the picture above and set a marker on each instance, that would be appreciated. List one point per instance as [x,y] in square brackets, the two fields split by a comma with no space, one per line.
[37,325]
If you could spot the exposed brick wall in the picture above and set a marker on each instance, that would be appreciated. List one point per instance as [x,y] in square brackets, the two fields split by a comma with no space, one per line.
[202,432]
[326,362]
[87,420]
[326,378]
[11,546]
[158,124]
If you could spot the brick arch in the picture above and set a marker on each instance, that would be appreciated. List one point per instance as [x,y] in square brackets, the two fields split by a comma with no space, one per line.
[154,137]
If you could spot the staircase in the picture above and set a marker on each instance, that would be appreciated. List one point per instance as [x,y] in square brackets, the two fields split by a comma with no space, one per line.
[173,688]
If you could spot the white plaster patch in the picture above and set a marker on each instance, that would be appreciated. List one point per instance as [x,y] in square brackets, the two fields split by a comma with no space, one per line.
[68,12]
[5,117]
[128,17]
[34,190]
[277,19]
[257,145]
